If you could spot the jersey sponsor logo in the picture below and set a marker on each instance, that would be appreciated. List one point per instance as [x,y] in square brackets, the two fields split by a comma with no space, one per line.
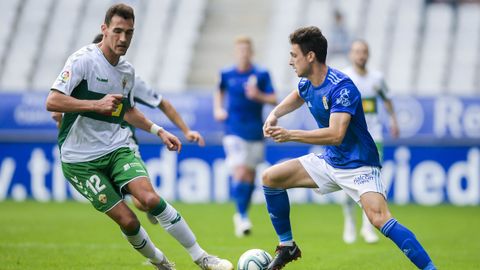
[325,102]
[118,110]
[362,179]
[64,77]
[102,79]
[369,105]
[344,98]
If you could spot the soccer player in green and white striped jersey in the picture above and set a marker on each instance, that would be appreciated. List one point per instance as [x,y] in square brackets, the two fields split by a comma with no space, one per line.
[373,88]
[94,91]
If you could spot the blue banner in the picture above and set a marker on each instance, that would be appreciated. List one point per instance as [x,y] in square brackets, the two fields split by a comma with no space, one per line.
[423,121]
[423,175]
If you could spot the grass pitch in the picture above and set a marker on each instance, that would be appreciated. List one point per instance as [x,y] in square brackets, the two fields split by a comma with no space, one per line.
[74,236]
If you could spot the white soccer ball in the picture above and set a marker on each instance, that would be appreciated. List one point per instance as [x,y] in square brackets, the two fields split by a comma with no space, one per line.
[254,259]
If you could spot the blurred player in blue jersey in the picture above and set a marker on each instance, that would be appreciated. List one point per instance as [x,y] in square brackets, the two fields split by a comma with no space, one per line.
[373,88]
[246,88]
[350,161]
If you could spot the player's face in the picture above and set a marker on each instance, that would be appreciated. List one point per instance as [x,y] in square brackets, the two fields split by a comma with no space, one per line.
[118,35]
[243,53]
[359,54]
[299,61]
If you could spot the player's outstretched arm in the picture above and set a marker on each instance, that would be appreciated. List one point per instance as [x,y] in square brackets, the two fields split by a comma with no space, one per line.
[59,102]
[331,135]
[136,118]
[172,114]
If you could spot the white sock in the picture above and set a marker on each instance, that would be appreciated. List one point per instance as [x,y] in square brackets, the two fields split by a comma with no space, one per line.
[288,243]
[349,210]
[366,224]
[142,243]
[177,227]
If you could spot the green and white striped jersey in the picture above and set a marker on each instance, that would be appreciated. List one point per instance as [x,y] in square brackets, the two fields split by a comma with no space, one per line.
[88,75]
[373,88]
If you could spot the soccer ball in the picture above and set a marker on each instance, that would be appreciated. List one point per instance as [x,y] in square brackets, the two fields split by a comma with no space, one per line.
[254,259]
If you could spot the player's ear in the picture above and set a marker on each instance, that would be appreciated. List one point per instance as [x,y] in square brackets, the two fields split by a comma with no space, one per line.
[311,56]
[103,27]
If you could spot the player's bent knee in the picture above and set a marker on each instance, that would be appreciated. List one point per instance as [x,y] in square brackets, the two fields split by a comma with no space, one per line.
[267,178]
[150,201]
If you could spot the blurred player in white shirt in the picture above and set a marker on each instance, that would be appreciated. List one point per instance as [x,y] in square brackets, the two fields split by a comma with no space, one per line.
[373,88]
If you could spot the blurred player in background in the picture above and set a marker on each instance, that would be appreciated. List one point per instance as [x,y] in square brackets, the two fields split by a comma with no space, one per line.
[373,88]
[350,162]
[247,87]
[94,93]
[146,95]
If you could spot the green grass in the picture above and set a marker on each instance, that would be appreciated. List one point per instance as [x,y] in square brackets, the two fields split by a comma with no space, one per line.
[74,236]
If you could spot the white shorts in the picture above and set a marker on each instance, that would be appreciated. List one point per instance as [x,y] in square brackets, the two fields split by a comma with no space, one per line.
[354,182]
[241,152]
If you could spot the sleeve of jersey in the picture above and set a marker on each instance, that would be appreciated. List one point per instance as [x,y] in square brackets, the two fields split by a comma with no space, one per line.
[71,75]
[144,94]
[266,83]
[302,88]
[383,91]
[222,85]
[345,99]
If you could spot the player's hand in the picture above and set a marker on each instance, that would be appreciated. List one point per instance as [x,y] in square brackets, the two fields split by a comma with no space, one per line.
[220,114]
[57,117]
[194,136]
[269,122]
[171,141]
[278,133]
[108,104]
[252,92]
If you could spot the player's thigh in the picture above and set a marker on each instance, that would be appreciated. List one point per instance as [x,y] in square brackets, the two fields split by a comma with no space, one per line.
[358,181]
[235,151]
[288,174]
[126,167]
[320,172]
[255,153]
[93,184]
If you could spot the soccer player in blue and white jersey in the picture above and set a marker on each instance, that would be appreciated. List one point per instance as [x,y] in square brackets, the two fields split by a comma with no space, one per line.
[350,161]
[248,88]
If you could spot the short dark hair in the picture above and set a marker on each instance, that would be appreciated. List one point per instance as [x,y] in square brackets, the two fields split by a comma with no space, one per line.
[311,39]
[98,38]
[121,10]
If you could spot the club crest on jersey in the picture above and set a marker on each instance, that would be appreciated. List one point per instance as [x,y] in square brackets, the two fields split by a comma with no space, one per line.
[65,76]
[325,102]
[344,98]
[102,198]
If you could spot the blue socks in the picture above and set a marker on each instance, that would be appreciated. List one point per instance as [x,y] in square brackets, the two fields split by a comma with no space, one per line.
[278,206]
[408,244]
[242,194]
